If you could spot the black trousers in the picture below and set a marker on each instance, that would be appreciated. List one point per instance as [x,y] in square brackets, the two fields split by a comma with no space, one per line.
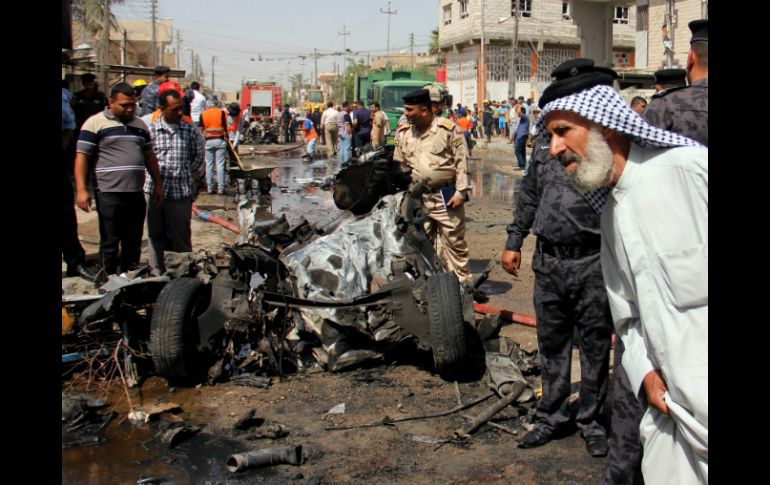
[624,460]
[362,138]
[71,249]
[571,300]
[121,222]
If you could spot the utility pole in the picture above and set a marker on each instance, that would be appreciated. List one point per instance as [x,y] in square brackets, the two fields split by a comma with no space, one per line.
[192,65]
[154,47]
[482,64]
[411,43]
[344,35]
[105,47]
[315,75]
[178,48]
[388,12]
[514,49]
[123,45]
[213,58]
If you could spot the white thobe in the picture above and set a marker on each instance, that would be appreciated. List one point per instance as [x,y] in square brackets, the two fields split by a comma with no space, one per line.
[655,264]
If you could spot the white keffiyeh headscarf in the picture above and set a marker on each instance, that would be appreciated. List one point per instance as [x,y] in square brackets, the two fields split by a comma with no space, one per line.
[603,105]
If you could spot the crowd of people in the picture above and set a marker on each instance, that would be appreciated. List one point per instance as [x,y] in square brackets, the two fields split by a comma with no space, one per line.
[600,176]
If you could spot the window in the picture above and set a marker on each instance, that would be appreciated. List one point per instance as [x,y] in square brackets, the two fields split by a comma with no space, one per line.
[566,10]
[525,7]
[463,8]
[621,59]
[621,15]
[447,14]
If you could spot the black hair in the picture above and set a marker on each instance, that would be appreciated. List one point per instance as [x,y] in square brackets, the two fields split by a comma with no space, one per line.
[163,98]
[701,50]
[329,104]
[194,85]
[122,88]
[636,100]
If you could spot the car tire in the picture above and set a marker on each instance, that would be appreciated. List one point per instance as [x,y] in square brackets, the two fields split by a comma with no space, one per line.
[447,329]
[174,331]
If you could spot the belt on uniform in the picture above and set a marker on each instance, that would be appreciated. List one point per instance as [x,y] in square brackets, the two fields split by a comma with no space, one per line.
[566,252]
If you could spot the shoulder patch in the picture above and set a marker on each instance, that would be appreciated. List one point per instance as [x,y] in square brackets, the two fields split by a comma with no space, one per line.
[403,126]
[445,123]
[667,91]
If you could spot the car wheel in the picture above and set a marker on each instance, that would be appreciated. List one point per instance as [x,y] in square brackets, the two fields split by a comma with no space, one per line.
[447,329]
[174,332]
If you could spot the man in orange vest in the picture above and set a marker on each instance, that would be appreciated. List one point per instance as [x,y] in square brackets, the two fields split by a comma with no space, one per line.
[214,123]
[151,118]
[310,136]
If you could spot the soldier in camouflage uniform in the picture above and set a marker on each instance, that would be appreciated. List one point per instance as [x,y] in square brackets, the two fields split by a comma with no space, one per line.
[435,149]
[569,295]
[685,110]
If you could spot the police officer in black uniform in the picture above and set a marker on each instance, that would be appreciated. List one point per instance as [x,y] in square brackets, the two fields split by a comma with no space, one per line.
[570,298]
[668,78]
[685,109]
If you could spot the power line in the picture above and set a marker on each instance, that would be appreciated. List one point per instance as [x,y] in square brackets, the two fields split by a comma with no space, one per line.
[388,12]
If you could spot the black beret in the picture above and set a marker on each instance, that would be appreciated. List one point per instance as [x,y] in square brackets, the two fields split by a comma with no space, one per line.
[420,96]
[574,76]
[700,30]
[162,69]
[671,76]
[88,78]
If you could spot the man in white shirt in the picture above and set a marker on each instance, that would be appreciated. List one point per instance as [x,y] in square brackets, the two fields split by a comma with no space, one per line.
[198,103]
[652,188]
[330,128]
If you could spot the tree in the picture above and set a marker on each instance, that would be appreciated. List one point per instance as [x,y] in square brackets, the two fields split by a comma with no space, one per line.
[434,46]
[91,14]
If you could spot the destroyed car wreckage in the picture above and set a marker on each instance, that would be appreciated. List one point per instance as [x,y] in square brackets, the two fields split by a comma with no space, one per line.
[282,299]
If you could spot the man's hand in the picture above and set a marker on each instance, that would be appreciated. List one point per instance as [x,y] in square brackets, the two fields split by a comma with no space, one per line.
[83,200]
[457,200]
[655,386]
[511,261]
[157,195]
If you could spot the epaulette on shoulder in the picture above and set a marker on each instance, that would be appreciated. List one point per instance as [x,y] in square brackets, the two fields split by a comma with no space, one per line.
[666,91]
[448,124]
[403,126]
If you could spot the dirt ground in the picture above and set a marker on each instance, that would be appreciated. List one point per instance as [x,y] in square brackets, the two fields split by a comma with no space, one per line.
[382,454]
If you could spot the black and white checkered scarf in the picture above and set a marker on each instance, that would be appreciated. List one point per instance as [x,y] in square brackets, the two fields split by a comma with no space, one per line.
[603,105]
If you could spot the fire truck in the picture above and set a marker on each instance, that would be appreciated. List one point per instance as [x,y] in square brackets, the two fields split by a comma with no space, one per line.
[264,98]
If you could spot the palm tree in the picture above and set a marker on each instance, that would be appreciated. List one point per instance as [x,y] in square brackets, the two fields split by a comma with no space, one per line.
[433,48]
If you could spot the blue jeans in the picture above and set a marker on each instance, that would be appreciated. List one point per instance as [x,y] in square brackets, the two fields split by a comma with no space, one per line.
[521,151]
[311,147]
[343,152]
[216,152]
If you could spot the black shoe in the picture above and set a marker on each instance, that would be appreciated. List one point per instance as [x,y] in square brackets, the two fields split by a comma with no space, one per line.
[81,270]
[596,445]
[101,279]
[537,437]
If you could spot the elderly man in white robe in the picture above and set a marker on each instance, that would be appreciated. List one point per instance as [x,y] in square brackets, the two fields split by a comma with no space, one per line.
[652,188]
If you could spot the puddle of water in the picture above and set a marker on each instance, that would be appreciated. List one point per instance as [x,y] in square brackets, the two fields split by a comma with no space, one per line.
[494,186]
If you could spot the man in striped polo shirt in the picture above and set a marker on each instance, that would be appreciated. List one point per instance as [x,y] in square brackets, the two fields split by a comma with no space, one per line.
[117,145]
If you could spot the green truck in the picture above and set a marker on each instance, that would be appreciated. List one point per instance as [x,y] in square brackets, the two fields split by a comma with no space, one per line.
[388,87]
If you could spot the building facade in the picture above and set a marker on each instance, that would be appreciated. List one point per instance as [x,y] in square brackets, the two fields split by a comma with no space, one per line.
[662,34]
[547,32]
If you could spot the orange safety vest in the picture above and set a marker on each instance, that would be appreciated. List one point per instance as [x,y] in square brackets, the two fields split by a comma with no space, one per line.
[157,112]
[234,126]
[213,121]
[310,134]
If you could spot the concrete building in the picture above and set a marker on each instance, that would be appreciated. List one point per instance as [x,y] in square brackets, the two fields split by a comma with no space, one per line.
[130,46]
[662,34]
[548,32]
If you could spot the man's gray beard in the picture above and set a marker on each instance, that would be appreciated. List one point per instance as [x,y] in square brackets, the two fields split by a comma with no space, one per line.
[595,169]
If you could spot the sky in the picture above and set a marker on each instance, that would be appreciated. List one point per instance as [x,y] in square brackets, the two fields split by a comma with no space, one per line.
[238,32]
